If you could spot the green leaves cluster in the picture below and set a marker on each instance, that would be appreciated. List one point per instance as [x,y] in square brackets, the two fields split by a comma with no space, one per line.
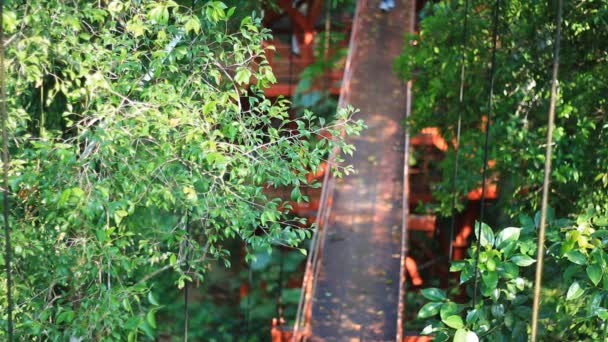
[574,297]
[521,98]
[573,301]
[141,141]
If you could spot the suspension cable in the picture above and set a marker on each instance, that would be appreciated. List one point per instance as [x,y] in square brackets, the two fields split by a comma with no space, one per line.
[186,254]
[546,181]
[487,145]
[187,282]
[5,191]
[463,63]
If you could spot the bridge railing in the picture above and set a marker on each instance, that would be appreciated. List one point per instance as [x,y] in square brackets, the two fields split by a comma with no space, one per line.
[301,326]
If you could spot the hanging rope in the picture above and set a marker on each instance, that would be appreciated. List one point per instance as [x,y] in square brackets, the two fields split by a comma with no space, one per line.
[458,126]
[5,191]
[405,212]
[187,283]
[187,252]
[487,144]
[546,181]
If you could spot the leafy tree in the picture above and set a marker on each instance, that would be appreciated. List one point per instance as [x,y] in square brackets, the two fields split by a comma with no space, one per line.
[574,306]
[141,141]
[574,287]
[521,97]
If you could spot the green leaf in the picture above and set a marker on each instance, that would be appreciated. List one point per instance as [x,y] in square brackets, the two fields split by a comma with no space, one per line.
[575,291]
[507,235]
[209,107]
[576,257]
[601,221]
[152,299]
[454,322]
[594,304]
[429,329]
[159,14]
[126,304]
[498,310]
[490,279]
[119,215]
[295,194]
[463,335]
[151,319]
[510,270]
[522,260]
[448,309]
[602,313]
[472,316]
[491,265]
[487,236]
[136,27]
[9,20]
[429,309]
[242,76]
[215,158]
[595,273]
[192,25]
[101,235]
[466,274]
[457,265]
[433,294]
[65,316]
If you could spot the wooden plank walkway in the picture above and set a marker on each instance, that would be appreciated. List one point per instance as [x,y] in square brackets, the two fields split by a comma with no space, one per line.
[357,291]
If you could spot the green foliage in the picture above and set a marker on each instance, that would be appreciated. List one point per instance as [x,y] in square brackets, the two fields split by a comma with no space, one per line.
[574,303]
[574,287]
[521,96]
[141,141]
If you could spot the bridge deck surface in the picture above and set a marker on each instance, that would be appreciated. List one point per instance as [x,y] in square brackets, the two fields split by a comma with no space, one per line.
[357,291]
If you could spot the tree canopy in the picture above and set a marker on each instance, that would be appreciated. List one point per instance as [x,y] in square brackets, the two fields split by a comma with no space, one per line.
[573,301]
[141,141]
[521,98]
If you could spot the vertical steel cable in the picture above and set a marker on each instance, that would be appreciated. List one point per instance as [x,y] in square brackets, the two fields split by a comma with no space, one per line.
[5,191]
[458,126]
[186,251]
[405,210]
[546,181]
[486,146]
[187,283]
